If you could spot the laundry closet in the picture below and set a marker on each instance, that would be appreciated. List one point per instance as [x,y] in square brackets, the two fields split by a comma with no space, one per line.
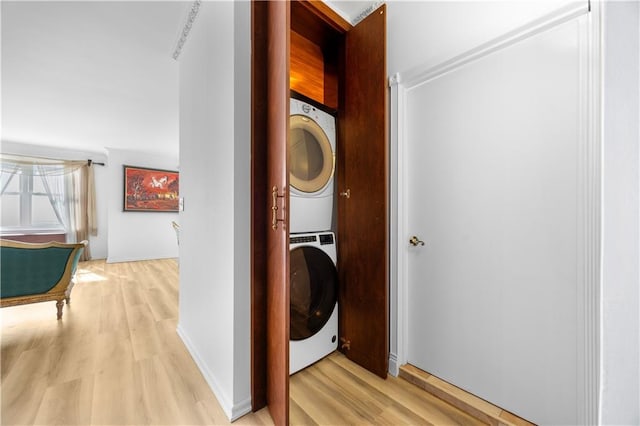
[305,51]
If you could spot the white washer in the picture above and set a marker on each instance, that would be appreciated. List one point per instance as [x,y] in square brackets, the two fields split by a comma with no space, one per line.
[313,327]
[312,146]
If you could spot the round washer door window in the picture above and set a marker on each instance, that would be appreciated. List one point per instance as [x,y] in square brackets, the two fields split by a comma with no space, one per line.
[311,159]
[313,292]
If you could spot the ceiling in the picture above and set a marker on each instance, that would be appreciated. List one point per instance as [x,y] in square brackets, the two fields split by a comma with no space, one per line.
[91,75]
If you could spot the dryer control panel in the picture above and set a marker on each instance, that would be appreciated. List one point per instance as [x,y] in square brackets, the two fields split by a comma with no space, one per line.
[326,239]
[303,239]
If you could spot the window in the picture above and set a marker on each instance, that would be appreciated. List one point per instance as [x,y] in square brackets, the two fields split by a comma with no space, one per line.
[28,202]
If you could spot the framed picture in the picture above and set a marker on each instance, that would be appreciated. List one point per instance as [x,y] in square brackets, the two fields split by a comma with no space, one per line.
[150,190]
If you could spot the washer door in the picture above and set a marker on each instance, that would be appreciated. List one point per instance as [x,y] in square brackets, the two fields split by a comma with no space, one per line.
[311,160]
[314,291]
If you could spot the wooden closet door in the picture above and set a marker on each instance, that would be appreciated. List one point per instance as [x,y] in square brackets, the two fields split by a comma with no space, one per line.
[269,247]
[363,225]
[278,13]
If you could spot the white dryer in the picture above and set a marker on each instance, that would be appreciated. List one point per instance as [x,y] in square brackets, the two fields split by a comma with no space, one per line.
[313,330]
[312,145]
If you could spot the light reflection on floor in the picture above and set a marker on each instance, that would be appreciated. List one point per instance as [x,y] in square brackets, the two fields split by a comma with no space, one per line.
[88,276]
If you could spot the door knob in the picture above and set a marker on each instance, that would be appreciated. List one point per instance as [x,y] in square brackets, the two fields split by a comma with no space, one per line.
[415,241]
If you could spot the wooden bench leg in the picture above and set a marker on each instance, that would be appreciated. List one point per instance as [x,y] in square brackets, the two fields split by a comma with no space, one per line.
[67,293]
[59,305]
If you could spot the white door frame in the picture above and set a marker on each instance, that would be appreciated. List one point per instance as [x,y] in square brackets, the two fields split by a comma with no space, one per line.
[590,194]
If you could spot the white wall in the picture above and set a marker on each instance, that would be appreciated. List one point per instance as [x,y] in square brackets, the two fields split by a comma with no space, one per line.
[137,235]
[97,243]
[242,202]
[620,362]
[215,174]
[427,33]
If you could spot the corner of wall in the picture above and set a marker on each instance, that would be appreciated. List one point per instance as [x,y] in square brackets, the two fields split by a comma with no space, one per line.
[223,399]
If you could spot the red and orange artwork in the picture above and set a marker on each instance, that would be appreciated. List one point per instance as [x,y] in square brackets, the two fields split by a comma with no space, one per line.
[150,190]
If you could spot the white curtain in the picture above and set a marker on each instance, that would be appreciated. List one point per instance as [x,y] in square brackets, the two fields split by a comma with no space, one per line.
[46,166]
[76,210]
[55,189]
[6,174]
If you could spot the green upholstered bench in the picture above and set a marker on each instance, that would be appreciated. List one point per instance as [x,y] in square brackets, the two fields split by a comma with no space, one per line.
[37,272]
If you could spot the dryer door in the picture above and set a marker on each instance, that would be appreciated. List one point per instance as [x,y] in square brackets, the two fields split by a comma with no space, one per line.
[311,159]
[313,291]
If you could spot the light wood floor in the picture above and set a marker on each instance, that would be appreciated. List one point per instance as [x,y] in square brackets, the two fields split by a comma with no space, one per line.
[336,391]
[115,359]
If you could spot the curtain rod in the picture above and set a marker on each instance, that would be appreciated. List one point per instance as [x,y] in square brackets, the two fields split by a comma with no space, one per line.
[90,162]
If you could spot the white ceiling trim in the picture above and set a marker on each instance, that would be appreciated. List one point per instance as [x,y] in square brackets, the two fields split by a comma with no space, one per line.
[193,13]
[366,12]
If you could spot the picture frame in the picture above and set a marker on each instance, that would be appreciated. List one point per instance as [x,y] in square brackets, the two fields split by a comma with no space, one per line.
[150,190]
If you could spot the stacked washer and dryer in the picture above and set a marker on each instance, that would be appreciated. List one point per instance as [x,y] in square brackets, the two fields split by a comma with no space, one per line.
[313,274]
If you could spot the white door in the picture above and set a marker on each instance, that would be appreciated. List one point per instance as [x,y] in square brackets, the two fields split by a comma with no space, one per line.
[496,172]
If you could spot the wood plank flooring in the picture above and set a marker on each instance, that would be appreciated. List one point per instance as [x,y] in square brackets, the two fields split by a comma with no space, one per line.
[469,403]
[336,391]
[115,359]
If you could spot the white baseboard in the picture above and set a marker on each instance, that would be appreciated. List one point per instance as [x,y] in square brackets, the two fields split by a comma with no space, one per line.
[394,368]
[232,410]
[120,259]
[240,409]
